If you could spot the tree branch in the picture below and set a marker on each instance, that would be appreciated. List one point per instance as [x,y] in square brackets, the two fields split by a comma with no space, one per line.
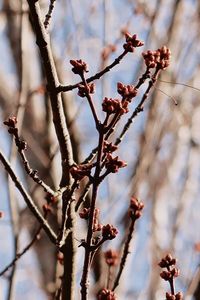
[45,225]
[43,42]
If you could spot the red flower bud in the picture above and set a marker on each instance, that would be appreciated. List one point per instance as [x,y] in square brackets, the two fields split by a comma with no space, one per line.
[111,257]
[109,232]
[106,294]
[11,122]
[79,66]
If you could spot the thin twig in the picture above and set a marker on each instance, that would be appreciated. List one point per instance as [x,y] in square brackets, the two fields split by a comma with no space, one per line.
[20,254]
[180,83]
[32,173]
[138,109]
[125,254]
[90,101]
[84,279]
[49,14]
[45,225]
[83,196]
[65,88]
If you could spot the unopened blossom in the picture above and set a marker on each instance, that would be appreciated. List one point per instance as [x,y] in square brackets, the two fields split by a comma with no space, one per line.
[79,66]
[132,42]
[126,91]
[109,232]
[106,294]
[114,164]
[111,257]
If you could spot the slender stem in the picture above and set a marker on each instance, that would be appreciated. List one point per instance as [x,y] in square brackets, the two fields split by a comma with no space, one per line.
[20,254]
[138,109]
[84,279]
[124,255]
[109,277]
[171,282]
[45,225]
[49,14]
[83,196]
[90,101]
[63,88]
[32,173]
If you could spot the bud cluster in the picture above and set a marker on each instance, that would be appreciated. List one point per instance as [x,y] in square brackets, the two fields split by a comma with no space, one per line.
[79,66]
[109,147]
[109,232]
[132,42]
[159,58]
[78,172]
[178,296]
[126,91]
[106,294]
[114,164]
[111,257]
[135,208]
[11,123]
[169,274]
[112,106]
[84,90]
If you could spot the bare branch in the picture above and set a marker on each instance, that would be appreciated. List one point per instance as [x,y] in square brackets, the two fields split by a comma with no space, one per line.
[49,14]
[20,254]
[43,43]
[45,225]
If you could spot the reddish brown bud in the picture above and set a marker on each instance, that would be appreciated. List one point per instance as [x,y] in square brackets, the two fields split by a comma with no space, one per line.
[179,296]
[159,58]
[11,122]
[84,214]
[132,42]
[79,66]
[106,294]
[111,106]
[78,172]
[175,272]
[167,261]
[150,58]
[114,164]
[124,108]
[164,57]
[109,232]
[109,147]
[126,91]
[135,208]
[1,214]
[166,275]
[83,90]
[22,145]
[111,257]
[170,296]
